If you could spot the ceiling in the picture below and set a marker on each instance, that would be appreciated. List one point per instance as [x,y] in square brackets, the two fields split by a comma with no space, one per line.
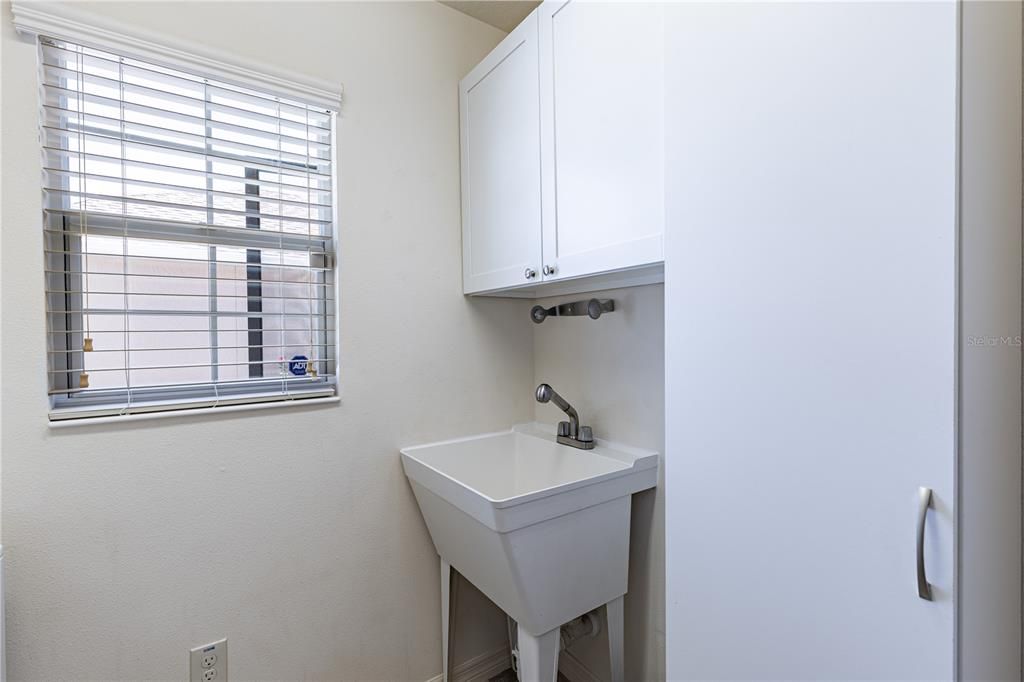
[503,14]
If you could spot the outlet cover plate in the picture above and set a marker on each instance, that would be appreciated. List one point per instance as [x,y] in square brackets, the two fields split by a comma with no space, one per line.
[209,663]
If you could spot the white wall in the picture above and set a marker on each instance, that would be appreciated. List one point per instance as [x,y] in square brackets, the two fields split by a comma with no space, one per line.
[990,373]
[612,371]
[293,532]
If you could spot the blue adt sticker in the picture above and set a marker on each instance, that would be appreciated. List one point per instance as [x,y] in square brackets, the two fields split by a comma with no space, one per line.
[297,365]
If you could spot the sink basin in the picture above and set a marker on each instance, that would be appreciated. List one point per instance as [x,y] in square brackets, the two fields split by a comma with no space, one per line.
[541,528]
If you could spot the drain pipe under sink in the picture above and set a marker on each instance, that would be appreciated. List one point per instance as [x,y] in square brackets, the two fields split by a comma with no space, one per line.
[587,625]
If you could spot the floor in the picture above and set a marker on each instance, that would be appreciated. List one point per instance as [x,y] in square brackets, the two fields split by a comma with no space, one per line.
[507,676]
[510,676]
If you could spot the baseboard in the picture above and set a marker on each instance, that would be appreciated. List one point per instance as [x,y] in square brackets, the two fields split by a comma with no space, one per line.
[487,665]
[483,667]
[480,668]
[574,670]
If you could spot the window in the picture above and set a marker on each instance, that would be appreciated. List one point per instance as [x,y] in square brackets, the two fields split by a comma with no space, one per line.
[189,241]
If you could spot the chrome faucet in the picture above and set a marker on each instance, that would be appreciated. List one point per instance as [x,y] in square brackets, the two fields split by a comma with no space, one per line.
[570,432]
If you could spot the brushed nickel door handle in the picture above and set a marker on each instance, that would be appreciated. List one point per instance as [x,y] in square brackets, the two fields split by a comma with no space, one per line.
[924,502]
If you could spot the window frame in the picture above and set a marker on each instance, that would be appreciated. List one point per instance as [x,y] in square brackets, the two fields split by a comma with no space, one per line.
[172,399]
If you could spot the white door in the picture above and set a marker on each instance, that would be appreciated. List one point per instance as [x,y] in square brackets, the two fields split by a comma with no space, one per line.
[810,327]
[601,136]
[500,139]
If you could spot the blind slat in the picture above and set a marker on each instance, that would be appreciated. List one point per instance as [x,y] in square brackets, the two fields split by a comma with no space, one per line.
[56,197]
[54,54]
[264,297]
[164,260]
[73,160]
[63,108]
[57,75]
[142,390]
[162,312]
[72,175]
[201,365]
[120,332]
[116,225]
[236,280]
[63,116]
[287,162]
[164,349]
[62,87]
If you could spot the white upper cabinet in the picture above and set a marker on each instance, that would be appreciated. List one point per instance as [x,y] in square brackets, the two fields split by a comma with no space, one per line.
[602,136]
[501,213]
[562,153]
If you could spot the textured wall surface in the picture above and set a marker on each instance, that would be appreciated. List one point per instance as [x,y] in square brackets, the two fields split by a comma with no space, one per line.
[293,532]
[612,371]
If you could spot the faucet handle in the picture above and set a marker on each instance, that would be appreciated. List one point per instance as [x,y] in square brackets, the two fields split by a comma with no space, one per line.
[563,429]
[586,434]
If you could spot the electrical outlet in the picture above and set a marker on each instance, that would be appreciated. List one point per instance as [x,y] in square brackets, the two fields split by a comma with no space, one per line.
[209,663]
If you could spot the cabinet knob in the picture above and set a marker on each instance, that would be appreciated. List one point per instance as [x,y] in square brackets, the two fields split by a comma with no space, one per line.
[530,273]
[549,269]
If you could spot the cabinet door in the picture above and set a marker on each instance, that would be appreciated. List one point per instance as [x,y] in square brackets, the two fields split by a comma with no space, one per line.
[601,135]
[501,213]
[810,352]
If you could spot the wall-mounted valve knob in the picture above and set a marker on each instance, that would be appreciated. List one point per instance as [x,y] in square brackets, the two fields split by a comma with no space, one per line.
[592,308]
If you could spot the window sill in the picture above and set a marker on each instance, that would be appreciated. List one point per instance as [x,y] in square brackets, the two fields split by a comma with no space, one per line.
[185,411]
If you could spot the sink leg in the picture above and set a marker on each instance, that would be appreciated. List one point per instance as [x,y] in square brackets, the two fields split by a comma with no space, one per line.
[538,656]
[446,616]
[616,640]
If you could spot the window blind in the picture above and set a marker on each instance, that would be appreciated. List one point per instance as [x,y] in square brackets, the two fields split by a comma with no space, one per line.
[189,239]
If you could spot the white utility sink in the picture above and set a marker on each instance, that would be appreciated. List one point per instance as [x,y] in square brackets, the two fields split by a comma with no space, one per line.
[541,528]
